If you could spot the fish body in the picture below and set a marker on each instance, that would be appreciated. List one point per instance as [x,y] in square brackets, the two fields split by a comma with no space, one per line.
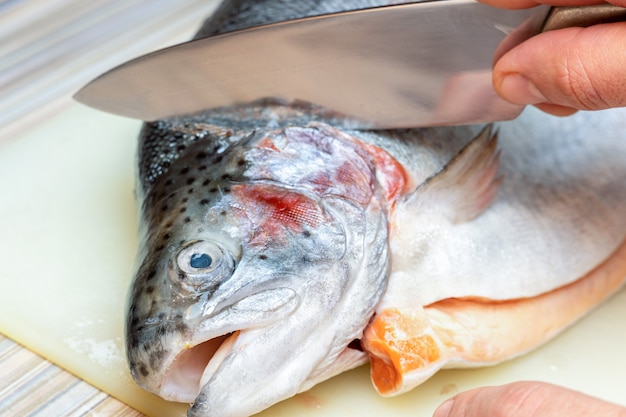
[277,251]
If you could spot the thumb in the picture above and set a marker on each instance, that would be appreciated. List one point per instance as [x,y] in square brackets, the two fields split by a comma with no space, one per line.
[573,68]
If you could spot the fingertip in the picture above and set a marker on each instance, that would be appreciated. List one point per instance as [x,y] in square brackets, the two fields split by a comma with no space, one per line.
[444,409]
[555,109]
[518,89]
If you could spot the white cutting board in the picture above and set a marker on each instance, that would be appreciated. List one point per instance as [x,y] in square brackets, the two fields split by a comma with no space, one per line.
[67,246]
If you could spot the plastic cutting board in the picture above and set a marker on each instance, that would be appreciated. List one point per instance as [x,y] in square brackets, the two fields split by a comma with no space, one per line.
[67,246]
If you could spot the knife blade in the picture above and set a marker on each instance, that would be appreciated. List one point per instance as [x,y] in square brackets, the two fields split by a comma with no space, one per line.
[410,65]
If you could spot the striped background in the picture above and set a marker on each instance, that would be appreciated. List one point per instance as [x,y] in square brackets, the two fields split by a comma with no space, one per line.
[32,386]
[50,48]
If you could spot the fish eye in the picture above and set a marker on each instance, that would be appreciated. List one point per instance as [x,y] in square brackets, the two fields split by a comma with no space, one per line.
[200,257]
[199,264]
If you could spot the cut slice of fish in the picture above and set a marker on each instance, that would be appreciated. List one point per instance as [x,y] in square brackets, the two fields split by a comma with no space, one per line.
[406,346]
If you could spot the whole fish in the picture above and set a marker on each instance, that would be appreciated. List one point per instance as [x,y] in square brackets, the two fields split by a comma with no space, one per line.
[277,251]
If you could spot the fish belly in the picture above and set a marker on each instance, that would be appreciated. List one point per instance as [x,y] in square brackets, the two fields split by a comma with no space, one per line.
[548,250]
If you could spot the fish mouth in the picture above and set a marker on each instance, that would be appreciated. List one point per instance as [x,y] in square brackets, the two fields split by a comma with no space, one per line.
[201,356]
[193,367]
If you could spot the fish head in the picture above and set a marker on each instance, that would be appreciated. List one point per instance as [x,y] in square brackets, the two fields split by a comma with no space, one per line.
[256,292]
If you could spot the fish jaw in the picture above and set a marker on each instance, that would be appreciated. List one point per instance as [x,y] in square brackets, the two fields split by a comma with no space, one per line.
[200,356]
[269,365]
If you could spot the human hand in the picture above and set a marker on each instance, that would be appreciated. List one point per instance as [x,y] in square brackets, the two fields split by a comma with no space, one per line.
[565,70]
[522,399]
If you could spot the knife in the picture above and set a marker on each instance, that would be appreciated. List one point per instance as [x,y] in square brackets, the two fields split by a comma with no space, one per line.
[410,65]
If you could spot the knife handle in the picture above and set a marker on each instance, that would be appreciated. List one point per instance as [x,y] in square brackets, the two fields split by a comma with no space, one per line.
[583,16]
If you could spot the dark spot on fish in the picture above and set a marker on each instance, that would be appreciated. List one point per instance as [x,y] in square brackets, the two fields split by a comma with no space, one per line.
[182,209]
[167,236]
[204,202]
[305,259]
[160,248]
[201,155]
[213,189]
[187,219]
[150,289]
[226,190]
[202,167]
[166,164]
[184,200]
[143,370]
[190,180]
[223,213]
[155,358]
[151,275]
[356,345]
[153,305]
[241,162]
[184,171]
[226,176]
[206,182]
[134,321]
[263,257]
[161,330]
[306,233]
[181,148]
[190,191]
[162,316]
[168,225]
[164,207]
[219,158]
[169,181]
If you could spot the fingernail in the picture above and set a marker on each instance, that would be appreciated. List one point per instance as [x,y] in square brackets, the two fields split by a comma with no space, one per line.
[444,409]
[520,90]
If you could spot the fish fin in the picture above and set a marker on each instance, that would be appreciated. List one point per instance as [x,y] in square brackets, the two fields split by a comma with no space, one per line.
[467,184]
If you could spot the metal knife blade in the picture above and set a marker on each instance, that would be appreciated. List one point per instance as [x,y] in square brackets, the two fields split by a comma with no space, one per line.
[410,65]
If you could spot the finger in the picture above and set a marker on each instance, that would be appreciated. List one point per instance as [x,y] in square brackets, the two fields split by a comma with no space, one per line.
[523,399]
[579,68]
